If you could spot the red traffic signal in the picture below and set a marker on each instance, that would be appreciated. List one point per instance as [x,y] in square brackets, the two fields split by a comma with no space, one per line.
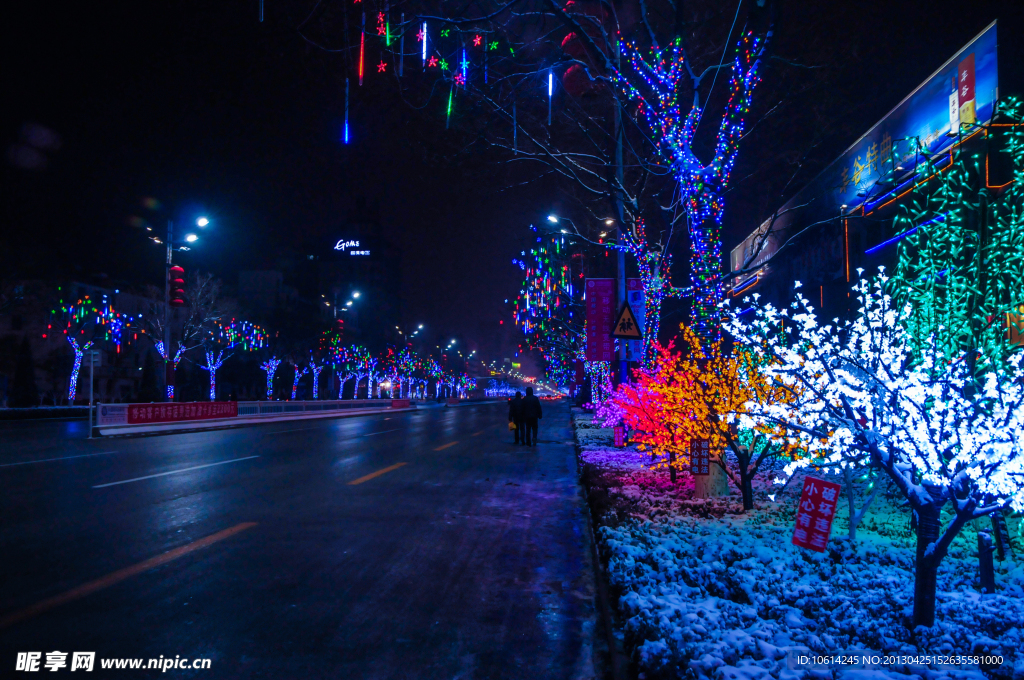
[176,283]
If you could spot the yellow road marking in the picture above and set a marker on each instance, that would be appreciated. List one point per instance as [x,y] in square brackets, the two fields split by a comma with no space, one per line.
[378,473]
[120,575]
[477,434]
[442,448]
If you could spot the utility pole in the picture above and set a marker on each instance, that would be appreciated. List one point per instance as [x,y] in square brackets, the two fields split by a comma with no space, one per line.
[620,255]
[168,359]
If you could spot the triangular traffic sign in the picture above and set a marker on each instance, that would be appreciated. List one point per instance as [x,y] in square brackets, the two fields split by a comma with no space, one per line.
[626,328]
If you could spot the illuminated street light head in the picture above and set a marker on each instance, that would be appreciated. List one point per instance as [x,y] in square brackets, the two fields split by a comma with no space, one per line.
[191,238]
[202,222]
[552,219]
[348,304]
[355,294]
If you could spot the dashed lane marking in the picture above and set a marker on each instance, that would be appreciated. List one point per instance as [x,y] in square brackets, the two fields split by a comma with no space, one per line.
[120,575]
[445,446]
[374,475]
[173,472]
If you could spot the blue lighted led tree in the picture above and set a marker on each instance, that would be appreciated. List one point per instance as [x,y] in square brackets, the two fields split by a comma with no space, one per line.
[669,99]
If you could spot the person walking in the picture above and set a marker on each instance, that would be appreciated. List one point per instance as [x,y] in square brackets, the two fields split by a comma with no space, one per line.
[531,414]
[515,416]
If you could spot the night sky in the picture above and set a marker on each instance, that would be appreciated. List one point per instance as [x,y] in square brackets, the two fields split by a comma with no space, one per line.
[200,106]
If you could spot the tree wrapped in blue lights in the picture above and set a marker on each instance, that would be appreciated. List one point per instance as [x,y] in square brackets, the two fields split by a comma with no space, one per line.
[214,358]
[270,366]
[86,322]
[668,77]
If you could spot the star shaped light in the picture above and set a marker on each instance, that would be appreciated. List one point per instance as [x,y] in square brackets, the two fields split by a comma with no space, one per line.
[459,79]
[494,45]
[444,32]
[476,41]
[444,65]
[419,36]
[432,62]
[381,67]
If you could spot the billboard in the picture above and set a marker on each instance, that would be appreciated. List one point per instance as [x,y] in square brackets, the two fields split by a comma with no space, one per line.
[890,156]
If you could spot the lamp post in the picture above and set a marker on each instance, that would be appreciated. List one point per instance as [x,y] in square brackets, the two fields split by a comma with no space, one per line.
[168,358]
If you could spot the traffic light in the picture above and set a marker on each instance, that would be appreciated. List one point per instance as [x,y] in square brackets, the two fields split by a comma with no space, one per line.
[176,279]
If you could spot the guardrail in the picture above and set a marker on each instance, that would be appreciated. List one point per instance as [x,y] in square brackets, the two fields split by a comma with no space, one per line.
[155,417]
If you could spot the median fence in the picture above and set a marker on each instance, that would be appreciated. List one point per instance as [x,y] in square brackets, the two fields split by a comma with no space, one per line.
[112,419]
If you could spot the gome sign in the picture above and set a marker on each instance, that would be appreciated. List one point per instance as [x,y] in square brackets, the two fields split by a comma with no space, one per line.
[352,247]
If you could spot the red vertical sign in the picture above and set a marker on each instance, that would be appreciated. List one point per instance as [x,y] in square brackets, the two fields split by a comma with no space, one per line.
[965,90]
[815,514]
[600,310]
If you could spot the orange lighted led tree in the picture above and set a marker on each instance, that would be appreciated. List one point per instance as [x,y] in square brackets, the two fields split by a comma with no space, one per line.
[698,394]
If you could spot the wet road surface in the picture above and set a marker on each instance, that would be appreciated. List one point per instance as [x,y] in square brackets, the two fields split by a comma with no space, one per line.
[411,545]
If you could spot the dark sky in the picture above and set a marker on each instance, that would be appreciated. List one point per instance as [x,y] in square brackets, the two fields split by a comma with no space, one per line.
[200,106]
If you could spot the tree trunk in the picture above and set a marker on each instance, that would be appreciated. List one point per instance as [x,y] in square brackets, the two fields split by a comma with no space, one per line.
[748,491]
[672,466]
[927,566]
[851,502]
[715,484]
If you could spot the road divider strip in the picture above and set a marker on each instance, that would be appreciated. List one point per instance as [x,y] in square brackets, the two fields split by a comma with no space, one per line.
[374,475]
[120,575]
[445,446]
[173,472]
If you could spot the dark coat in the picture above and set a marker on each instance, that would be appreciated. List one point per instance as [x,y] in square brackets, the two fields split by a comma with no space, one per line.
[531,407]
[515,409]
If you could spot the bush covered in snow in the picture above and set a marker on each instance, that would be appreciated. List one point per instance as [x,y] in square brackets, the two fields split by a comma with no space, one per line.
[708,592]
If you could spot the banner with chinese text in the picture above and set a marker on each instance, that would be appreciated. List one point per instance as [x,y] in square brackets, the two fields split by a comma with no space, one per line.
[600,316]
[140,414]
[815,514]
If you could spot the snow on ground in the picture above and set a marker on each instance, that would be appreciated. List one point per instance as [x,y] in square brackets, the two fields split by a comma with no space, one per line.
[708,592]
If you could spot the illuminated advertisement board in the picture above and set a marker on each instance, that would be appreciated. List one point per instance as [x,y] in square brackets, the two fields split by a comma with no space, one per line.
[889,157]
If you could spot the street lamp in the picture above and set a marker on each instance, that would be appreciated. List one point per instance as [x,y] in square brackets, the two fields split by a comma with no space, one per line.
[191,238]
[202,222]
[553,219]
[355,293]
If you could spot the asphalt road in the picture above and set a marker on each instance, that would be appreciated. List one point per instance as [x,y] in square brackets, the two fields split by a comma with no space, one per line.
[415,545]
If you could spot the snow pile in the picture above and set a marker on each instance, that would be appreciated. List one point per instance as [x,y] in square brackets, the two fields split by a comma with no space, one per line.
[709,593]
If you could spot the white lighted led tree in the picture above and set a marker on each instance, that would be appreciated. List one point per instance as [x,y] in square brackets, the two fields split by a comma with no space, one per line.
[949,440]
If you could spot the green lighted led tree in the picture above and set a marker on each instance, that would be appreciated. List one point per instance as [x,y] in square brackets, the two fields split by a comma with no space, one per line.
[961,267]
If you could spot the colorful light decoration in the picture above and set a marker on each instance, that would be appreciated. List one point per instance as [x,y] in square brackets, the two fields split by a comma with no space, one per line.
[422,36]
[362,48]
[237,333]
[346,111]
[213,362]
[548,307]
[270,366]
[702,186]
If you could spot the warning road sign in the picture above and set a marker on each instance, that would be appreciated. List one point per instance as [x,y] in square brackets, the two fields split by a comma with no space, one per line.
[626,328]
